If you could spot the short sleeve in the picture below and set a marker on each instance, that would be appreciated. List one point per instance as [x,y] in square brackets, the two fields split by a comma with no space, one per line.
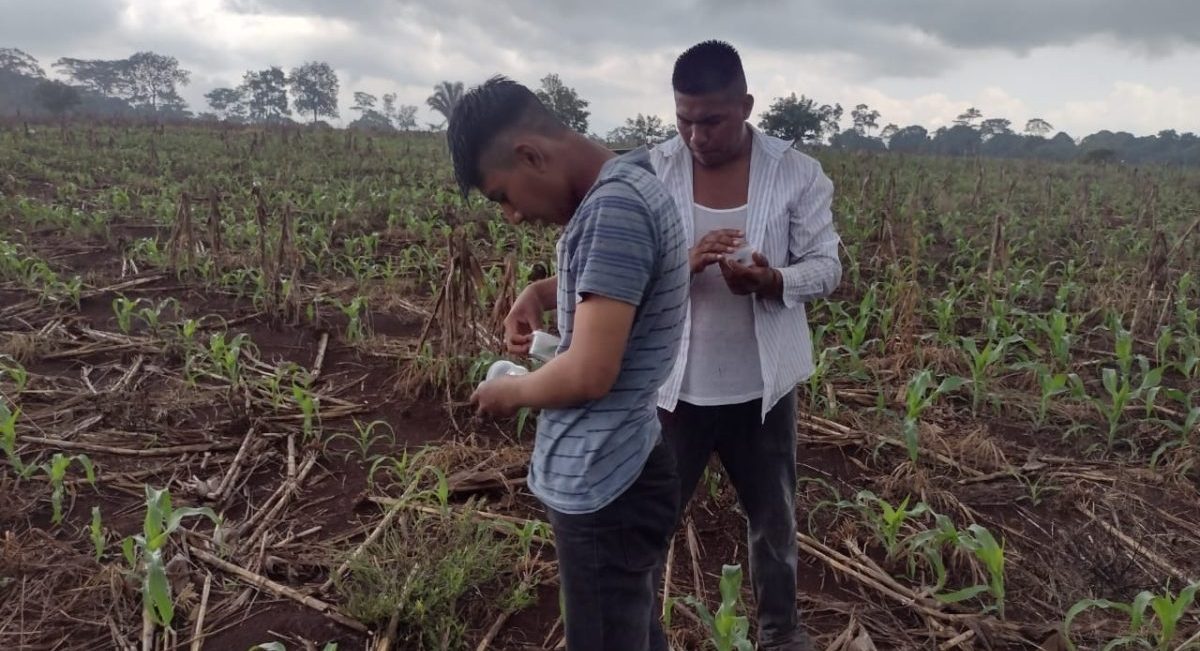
[615,253]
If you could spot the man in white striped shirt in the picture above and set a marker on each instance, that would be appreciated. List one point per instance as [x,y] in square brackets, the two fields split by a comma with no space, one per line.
[747,343]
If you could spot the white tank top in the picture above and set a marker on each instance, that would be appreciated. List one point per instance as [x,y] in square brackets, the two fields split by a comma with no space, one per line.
[723,367]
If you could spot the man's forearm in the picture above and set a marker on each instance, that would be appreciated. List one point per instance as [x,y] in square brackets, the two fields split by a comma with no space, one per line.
[556,385]
[546,291]
[774,288]
[809,279]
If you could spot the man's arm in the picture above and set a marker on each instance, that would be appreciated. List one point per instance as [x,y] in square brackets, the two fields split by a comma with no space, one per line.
[813,270]
[546,291]
[588,369]
[528,314]
[614,260]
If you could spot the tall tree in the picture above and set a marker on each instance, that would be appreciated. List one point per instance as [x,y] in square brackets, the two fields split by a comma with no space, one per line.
[106,77]
[56,97]
[994,127]
[564,102]
[1038,127]
[228,103]
[888,131]
[20,62]
[265,92]
[638,131]
[967,117]
[445,97]
[405,117]
[363,101]
[369,117]
[152,80]
[800,119]
[909,140]
[959,140]
[315,89]
[853,140]
[865,119]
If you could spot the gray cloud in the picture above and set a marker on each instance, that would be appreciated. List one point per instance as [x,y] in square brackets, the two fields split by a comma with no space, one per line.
[1157,26]
[58,27]
[579,32]
[919,53]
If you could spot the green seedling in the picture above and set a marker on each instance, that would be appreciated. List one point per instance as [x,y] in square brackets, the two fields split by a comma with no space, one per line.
[96,533]
[1168,612]
[366,437]
[15,372]
[1050,385]
[308,402]
[152,316]
[728,631]
[886,520]
[529,531]
[123,308]
[144,552]
[226,356]
[1122,393]
[982,362]
[354,312]
[918,398]
[981,542]
[8,438]
[1059,329]
[56,472]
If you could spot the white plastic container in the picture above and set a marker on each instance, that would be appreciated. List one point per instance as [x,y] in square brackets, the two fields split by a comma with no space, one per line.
[504,367]
[544,346]
[744,255]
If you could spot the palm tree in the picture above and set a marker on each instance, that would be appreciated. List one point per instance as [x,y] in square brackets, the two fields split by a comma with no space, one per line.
[445,96]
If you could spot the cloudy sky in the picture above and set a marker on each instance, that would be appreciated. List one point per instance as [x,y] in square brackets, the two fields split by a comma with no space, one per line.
[1083,65]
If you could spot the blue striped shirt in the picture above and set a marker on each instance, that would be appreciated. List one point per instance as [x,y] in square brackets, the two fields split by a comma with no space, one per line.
[624,242]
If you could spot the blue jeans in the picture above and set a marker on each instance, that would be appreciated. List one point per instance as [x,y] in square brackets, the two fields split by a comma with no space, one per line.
[608,561]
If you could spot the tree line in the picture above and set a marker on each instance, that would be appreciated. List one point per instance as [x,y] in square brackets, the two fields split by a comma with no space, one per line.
[147,83]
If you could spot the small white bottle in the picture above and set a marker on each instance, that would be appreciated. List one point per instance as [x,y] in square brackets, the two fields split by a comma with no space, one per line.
[744,255]
[505,367]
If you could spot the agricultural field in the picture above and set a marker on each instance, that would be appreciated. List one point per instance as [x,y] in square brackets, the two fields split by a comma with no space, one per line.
[235,363]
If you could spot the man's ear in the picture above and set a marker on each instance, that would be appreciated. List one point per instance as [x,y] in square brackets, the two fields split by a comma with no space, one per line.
[747,106]
[529,154]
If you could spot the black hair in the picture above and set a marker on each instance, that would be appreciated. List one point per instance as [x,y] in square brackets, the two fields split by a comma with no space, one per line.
[709,67]
[484,112]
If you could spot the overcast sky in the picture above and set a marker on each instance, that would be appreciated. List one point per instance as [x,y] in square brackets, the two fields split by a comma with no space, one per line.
[1083,65]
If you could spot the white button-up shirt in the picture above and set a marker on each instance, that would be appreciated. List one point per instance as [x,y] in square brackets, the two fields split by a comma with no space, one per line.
[791,224]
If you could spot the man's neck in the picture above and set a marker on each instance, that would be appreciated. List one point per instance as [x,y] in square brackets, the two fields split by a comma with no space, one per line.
[585,158]
[743,154]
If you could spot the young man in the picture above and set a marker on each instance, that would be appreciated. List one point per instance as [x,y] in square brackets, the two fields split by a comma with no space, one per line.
[599,462]
[747,345]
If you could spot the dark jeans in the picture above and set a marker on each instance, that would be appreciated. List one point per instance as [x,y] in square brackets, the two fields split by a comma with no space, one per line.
[760,459]
[607,562]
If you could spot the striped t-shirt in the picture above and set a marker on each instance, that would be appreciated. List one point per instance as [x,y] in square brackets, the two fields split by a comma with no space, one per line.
[624,242]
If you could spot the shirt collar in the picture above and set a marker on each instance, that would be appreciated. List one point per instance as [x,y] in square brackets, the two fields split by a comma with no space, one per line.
[775,147]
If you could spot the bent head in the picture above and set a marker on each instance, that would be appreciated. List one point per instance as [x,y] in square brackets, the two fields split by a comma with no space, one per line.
[711,102]
[505,143]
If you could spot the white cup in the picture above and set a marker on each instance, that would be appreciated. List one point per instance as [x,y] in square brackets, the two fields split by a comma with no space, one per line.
[544,346]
